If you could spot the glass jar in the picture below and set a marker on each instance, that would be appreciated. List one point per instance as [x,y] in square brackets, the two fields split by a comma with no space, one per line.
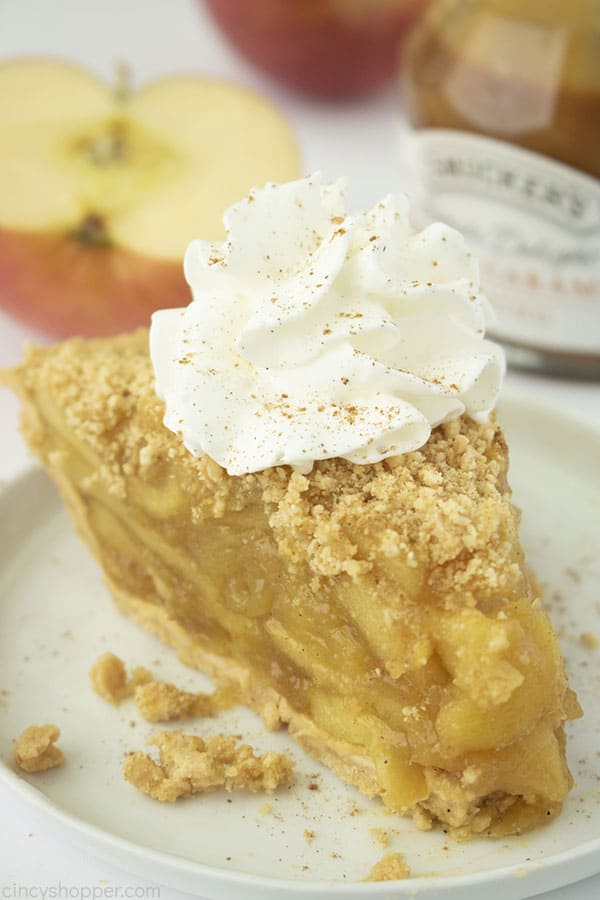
[504,99]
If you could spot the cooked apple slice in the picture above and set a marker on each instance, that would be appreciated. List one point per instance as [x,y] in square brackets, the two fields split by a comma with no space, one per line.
[103,189]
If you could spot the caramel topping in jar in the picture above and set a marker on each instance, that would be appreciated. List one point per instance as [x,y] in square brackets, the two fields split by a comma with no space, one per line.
[525,72]
[484,78]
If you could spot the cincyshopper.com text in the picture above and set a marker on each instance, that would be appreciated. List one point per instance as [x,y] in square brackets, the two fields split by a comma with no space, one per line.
[61,891]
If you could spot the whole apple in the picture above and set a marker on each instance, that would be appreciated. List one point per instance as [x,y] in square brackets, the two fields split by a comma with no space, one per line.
[329,48]
[101,190]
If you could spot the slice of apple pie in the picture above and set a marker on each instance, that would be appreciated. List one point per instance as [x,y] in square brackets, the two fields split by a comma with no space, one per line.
[300,489]
[381,611]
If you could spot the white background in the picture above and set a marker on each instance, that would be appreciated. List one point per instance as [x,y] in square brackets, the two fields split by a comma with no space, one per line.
[359,139]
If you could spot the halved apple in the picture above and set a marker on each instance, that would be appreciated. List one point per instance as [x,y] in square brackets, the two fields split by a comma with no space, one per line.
[101,190]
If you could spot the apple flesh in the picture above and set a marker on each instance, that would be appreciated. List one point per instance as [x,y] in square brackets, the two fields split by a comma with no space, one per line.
[329,48]
[101,194]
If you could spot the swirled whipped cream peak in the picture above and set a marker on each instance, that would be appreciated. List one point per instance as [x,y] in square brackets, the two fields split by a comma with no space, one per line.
[314,333]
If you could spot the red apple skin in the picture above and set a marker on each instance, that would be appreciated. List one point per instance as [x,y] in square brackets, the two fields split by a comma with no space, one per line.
[315,48]
[62,287]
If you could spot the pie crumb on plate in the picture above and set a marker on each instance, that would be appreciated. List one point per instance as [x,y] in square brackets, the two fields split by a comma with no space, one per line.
[191,765]
[35,749]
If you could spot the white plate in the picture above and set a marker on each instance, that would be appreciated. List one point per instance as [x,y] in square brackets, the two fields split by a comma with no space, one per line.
[56,618]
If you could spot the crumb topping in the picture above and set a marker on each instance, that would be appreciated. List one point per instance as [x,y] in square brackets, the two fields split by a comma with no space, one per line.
[35,749]
[109,678]
[422,819]
[391,867]
[189,764]
[156,701]
[161,701]
[380,835]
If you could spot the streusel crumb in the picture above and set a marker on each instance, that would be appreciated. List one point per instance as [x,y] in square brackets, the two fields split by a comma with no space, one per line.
[380,835]
[35,749]
[391,867]
[156,701]
[192,765]
[161,701]
[109,678]
[422,819]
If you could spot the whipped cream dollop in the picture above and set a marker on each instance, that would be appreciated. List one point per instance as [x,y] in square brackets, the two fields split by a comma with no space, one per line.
[314,333]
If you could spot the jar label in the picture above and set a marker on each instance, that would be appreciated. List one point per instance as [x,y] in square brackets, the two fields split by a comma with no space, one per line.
[534,224]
